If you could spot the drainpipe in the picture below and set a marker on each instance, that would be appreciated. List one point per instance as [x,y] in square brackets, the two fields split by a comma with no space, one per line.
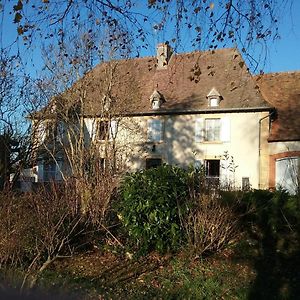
[259,143]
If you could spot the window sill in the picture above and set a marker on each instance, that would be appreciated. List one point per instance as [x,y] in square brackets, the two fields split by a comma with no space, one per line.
[211,142]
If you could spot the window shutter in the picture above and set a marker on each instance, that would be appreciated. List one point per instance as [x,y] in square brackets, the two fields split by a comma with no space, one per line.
[150,131]
[199,130]
[199,164]
[91,127]
[113,129]
[58,170]
[225,130]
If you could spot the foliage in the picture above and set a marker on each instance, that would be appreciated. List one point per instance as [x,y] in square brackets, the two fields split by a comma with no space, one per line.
[151,205]
[277,210]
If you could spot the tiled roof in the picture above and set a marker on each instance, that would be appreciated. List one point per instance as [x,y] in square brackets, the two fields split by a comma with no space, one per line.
[282,91]
[184,84]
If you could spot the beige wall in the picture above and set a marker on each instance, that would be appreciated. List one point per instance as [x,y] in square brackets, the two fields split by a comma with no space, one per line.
[179,146]
[279,147]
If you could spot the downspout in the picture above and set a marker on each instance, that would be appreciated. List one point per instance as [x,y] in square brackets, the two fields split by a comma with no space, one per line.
[259,143]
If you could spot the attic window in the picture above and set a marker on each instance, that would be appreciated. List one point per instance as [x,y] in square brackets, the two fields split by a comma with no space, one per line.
[156,100]
[214,98]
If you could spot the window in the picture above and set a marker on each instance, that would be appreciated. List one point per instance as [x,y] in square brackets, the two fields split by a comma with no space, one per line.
[212,130]
[212,171]
[153,163]
[245,183]
[103,130]
[214,102]
[49,171]
[154,130]
[287,174]
[212,168]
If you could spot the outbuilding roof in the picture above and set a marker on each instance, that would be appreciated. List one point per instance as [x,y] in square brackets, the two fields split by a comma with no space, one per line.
[282,90]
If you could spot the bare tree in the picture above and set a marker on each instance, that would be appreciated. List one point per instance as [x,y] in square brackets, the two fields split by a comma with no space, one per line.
[209,24]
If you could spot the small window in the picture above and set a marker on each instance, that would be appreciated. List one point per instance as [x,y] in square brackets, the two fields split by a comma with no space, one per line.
[103,130]
[245,183]
[212,130]
[155,104]
[214,102]
[153,163]
[154,130]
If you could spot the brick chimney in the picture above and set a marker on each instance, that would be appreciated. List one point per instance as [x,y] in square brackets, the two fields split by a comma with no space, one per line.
[163,55]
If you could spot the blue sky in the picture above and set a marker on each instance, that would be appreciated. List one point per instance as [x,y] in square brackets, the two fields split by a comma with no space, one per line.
[283,54]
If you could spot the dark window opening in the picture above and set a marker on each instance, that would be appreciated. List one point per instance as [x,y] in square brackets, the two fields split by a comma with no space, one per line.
[153,163]
[103,129]
[245,183]
[212,168]
[212,172]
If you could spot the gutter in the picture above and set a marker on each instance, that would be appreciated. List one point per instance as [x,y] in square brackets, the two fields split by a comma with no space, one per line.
[190,112]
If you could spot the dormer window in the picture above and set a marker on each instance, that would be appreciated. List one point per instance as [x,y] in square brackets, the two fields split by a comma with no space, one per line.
[156,100]
[214,98]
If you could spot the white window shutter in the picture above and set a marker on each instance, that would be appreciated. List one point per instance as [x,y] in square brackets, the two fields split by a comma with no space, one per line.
[113,129]
[150,131]
[58,170]
[91,127]
[199,164]
[158,128]
[199,130]
[225,130]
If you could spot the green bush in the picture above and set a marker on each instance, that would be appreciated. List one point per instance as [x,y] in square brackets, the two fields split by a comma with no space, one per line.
[152,202]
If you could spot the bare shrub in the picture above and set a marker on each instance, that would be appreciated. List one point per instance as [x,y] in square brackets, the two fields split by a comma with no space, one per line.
[15,230]
[37,228]
[210,224]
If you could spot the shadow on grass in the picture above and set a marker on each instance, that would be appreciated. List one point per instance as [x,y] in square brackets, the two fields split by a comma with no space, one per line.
[278,263]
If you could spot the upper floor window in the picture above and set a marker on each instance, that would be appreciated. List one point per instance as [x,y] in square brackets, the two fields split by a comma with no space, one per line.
[154,131]
[103,130]
[212,130]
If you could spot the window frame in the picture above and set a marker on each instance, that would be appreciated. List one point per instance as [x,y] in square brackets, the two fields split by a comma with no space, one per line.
[103,135]
[209,130]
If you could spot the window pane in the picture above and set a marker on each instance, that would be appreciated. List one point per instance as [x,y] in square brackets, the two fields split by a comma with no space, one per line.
[287,174]
[103,130]
[212,129]
[153,163]
[154,130]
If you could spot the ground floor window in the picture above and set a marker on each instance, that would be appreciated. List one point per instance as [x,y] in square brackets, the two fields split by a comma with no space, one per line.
[153,163]
[287,174]
[212,171]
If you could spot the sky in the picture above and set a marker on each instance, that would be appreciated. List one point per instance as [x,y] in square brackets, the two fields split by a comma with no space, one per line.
[283,54]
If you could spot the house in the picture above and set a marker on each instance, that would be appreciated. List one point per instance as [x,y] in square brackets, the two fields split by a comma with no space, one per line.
[192,109]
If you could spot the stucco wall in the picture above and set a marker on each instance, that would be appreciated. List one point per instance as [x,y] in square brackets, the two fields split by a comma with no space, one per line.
[179,146]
